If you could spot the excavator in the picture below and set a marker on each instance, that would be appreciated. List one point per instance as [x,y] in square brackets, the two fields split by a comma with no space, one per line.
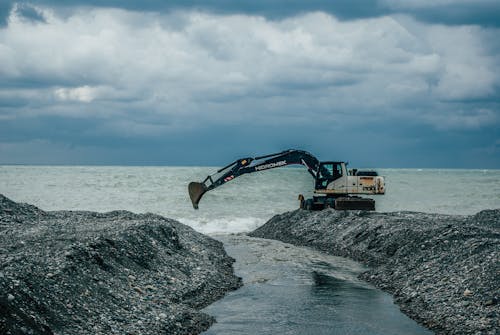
[334,185]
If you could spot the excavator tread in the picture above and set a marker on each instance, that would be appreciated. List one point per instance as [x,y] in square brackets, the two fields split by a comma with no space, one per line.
[354,203]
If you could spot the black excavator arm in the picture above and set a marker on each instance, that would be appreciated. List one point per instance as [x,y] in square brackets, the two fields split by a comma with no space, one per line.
[249,165]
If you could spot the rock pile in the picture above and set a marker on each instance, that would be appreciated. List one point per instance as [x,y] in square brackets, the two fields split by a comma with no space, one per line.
[443,270]
[76,272]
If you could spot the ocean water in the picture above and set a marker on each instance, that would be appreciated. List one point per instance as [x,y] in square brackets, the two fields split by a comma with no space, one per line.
[240,205]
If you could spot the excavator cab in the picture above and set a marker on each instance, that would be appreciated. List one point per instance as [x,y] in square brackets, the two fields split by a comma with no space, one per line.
[327,172]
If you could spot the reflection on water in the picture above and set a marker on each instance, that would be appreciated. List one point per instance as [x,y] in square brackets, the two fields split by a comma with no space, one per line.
[294,290]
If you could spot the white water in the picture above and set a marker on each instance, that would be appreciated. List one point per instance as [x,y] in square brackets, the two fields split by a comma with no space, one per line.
[242,204]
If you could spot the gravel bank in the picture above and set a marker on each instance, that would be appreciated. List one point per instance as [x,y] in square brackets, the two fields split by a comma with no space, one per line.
[75,272]
[443,270]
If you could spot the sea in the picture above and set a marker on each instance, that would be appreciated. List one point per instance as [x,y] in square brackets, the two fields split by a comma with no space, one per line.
[287,289]
[240,205]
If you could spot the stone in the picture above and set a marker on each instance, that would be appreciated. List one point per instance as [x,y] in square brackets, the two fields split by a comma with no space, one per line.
[467,293]
[94,297]
[491,302]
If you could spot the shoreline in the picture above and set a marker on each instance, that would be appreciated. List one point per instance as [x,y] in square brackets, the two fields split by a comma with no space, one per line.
[442,270]
[106,273]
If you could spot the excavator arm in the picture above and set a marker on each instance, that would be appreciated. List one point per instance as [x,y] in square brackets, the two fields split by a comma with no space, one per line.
[252,164]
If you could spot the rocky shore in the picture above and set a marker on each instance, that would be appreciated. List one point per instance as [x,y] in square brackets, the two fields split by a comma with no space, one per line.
[76,272]
[443,270]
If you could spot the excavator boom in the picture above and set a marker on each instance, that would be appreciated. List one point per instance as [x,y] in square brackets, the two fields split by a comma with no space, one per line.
[251,164]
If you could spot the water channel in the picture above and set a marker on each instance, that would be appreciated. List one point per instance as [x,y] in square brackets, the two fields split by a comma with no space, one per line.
[297,290]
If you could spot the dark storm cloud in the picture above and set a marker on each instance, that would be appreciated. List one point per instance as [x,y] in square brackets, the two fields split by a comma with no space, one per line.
[5,8]
[25,10]
[478,12]
[374,145]
[29,12]
[344,9]
[482,13]
[152,85]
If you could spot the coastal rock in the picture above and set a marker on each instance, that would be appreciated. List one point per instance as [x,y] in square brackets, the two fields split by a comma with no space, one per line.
[106,273]
[442,270]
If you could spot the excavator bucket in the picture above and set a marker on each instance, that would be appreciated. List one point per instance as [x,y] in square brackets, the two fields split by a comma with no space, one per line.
[196,191]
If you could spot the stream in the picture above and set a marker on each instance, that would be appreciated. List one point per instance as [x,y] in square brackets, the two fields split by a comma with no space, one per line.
[297,290]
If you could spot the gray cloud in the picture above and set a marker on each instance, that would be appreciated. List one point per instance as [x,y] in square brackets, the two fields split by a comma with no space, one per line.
[450,12]
[29,12]
[277,9]
[106,76]
[5,8]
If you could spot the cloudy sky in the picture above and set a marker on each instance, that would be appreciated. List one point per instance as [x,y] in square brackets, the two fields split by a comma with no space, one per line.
[380,83]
